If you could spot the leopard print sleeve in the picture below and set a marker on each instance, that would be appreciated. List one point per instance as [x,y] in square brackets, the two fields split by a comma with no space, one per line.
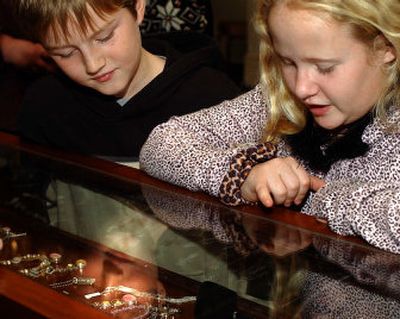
[239,169]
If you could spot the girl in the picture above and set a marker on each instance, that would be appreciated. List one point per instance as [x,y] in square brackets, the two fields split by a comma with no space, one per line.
[325,111]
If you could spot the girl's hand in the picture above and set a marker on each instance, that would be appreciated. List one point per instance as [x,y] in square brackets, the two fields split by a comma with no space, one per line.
[279,181]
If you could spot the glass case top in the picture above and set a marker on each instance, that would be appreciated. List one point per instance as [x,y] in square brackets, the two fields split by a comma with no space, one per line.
[132,250]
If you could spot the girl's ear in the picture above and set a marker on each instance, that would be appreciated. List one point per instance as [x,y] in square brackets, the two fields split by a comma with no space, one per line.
[385,49]
[140,9]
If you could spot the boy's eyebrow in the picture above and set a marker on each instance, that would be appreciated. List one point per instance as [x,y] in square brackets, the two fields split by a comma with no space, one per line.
[106,26]
[92,36]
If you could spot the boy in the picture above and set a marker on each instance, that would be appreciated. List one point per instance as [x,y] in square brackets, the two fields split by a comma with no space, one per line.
[113,90]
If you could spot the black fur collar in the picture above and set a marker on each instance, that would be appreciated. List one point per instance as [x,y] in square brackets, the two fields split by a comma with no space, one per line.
[320,148]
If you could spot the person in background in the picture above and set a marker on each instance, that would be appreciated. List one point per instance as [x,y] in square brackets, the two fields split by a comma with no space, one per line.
[113,89]
[23,53]
[320,132]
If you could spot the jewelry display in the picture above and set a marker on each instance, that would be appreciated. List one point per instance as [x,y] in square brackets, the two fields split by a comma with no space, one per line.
[79,265]
[45,266]
[37,271]
[78,281]
[19,259]
[141,294]
[55,257]
[116,306]
[128,299]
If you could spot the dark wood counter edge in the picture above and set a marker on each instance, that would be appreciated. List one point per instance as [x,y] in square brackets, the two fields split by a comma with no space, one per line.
[43,300]
[129,174]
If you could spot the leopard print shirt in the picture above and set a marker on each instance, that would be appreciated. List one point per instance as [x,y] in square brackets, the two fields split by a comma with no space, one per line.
[361,197]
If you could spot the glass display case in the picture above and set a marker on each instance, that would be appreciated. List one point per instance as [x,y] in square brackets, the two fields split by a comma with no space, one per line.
[86,238]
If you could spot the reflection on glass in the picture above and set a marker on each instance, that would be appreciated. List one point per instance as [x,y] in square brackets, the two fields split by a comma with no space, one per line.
[233,262]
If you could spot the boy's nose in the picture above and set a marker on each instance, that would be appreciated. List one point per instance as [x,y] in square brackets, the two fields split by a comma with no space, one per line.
[306,86]
[94,63]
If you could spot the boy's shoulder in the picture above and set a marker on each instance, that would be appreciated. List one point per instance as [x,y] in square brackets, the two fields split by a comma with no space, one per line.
[51,93]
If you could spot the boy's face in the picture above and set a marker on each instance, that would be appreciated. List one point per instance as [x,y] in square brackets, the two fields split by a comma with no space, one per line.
[108,59]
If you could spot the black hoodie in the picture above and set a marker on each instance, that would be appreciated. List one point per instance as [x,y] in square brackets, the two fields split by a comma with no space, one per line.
[60,113]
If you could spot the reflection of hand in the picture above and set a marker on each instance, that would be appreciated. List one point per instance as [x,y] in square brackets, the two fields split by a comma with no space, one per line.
[276,239]
[23,53]
[279,181]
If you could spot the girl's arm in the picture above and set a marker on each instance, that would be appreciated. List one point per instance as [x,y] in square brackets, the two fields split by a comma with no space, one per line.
[195,150]
[368,209]
[362,195]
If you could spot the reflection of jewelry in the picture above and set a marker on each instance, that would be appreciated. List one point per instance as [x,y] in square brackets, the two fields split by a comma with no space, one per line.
[142,294]
[6,233]
[79,281]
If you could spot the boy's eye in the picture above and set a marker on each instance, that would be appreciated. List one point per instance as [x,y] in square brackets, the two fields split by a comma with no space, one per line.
[106,38]
[62,55]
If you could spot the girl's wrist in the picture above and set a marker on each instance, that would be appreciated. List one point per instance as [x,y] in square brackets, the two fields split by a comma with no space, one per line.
[239,168]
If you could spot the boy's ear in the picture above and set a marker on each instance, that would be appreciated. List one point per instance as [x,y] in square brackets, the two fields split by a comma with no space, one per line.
[140,9]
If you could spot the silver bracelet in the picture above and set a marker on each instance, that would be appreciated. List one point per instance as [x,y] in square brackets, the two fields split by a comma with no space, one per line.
[79,281]
[137,293]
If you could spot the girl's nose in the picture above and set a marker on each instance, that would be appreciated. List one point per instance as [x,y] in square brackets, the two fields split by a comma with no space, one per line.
[306,86]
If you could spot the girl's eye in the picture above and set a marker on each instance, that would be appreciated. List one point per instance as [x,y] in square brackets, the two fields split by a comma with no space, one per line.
[106,38]
[287,62]
[326,70]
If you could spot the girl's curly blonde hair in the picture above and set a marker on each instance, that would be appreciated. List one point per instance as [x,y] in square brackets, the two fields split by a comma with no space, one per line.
[367,18]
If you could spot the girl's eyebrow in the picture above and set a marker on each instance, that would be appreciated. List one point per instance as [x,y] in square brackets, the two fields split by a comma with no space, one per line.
[91,37]
[311,60]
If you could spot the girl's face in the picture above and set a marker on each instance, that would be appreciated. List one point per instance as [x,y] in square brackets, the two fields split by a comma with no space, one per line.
[336,76]
[109,59]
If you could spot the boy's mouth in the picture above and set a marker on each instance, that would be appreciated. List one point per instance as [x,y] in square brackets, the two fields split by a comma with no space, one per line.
[104,77]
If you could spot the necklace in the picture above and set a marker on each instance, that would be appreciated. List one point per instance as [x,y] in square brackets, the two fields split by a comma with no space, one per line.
[126,304]
[79,281]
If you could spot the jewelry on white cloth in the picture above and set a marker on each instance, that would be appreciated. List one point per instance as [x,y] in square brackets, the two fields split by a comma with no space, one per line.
[79,281]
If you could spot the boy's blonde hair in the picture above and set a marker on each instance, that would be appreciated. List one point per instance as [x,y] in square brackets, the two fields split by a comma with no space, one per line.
[368,20]
[39,17]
